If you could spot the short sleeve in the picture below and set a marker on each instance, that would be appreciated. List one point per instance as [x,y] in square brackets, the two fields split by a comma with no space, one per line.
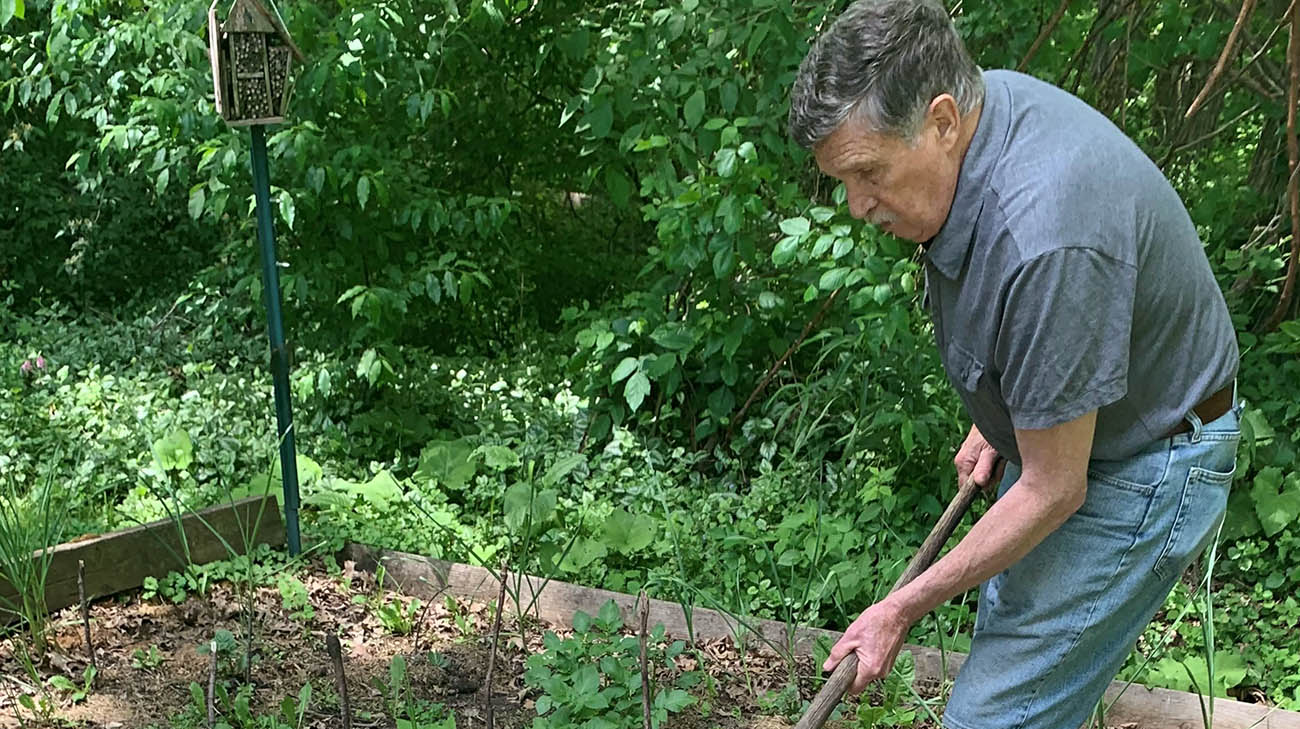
[1063,341]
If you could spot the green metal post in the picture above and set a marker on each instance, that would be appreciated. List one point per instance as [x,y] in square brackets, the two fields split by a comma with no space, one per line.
[275,328]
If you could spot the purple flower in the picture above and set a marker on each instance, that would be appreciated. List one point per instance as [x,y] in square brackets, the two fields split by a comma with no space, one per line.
[40,362]
[25,367]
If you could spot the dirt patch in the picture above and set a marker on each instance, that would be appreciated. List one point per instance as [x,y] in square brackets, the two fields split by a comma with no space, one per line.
[148,657]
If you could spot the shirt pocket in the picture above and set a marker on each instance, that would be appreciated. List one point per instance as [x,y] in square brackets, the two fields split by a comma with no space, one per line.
[964,369]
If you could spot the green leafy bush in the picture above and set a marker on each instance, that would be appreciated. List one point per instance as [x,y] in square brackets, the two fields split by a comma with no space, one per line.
[593,678]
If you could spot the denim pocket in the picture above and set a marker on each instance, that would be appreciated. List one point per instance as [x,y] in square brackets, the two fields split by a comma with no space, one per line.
[1114,508]
[1200,509]
[1140,473]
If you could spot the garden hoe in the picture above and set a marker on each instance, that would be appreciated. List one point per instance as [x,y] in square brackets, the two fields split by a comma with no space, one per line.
[842,677]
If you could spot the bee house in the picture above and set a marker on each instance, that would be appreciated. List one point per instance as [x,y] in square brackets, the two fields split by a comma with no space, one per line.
[252,58]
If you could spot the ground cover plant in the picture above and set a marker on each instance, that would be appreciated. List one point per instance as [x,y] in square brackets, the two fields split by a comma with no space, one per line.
[560,292]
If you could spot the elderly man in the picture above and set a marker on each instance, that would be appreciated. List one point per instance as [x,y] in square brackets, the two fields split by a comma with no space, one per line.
[1077,317]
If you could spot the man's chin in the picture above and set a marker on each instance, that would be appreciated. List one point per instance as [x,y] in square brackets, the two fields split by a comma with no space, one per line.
[894,230]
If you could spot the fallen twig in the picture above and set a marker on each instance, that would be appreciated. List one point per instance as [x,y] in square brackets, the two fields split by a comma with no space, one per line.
[336,658]
[85,611]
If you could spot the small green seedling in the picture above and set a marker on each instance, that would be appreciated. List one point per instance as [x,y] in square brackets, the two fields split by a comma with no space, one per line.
[141,660]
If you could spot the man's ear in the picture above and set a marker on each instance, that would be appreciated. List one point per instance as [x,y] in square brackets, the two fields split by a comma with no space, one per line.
[945,119]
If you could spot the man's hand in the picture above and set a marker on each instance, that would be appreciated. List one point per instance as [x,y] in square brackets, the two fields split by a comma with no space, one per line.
[876,637]
[977,459]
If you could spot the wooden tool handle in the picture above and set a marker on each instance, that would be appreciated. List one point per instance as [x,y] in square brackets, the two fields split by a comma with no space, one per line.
[842,677]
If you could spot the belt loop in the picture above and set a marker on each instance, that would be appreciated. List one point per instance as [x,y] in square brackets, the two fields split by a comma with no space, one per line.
[1195,420]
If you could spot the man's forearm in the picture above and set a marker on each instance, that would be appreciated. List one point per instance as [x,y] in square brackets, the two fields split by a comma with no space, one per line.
[1015,524]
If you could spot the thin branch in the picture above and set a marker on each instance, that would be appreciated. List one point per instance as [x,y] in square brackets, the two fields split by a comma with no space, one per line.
[1230,124]
[1044,33]
[771,371]
[1247,6]
[1293,159]
[492,656]
[1099,24]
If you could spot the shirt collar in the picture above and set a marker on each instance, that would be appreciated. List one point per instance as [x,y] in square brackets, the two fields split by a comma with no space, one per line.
[949,248]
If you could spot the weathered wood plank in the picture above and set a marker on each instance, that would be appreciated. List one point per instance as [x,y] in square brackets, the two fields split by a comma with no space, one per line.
[121,560]
[555,602]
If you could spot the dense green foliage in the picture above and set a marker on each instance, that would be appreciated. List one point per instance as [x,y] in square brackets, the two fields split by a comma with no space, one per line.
[539,262]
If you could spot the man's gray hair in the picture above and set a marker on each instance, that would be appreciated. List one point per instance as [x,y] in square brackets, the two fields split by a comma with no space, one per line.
[882,61]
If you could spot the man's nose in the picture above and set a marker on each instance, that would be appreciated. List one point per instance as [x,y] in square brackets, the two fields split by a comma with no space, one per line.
[861,205]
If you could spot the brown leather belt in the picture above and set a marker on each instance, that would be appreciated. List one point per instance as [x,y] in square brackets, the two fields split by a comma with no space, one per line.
[1209,409]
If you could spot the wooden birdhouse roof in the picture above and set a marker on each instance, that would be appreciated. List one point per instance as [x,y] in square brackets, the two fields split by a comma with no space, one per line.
[251,16]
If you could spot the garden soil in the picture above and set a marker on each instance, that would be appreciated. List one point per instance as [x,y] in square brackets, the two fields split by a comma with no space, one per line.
[289,651]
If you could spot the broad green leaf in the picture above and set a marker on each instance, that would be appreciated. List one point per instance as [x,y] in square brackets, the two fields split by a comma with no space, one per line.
[725,162]
[446,463]
[724,262]
[693,110]
[381,491]
[562,467]
[657,367]
[628,533]
[370,366]
[673,336]
[822,245]
[584,552]
[600,119]
[581,622]
[821,214]
[623,370]
[618,185]
[174,452]
[795,226]
[10,9]
[160,184]
[673,700]
[518,500]
[198,197]
[1277,502]
[784,250]
[833,278]
[363,191]
[498,457]
[1241,520]
[287,209]
[638,386]
[610,617]
[586,680]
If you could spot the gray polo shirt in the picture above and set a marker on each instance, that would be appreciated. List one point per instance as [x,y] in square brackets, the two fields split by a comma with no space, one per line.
[1068,277]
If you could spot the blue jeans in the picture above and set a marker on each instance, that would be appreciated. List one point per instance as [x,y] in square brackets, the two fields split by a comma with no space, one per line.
[1054,629]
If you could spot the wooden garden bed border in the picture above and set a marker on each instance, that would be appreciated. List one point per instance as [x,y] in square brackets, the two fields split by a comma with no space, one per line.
[555,602]
[120,561]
